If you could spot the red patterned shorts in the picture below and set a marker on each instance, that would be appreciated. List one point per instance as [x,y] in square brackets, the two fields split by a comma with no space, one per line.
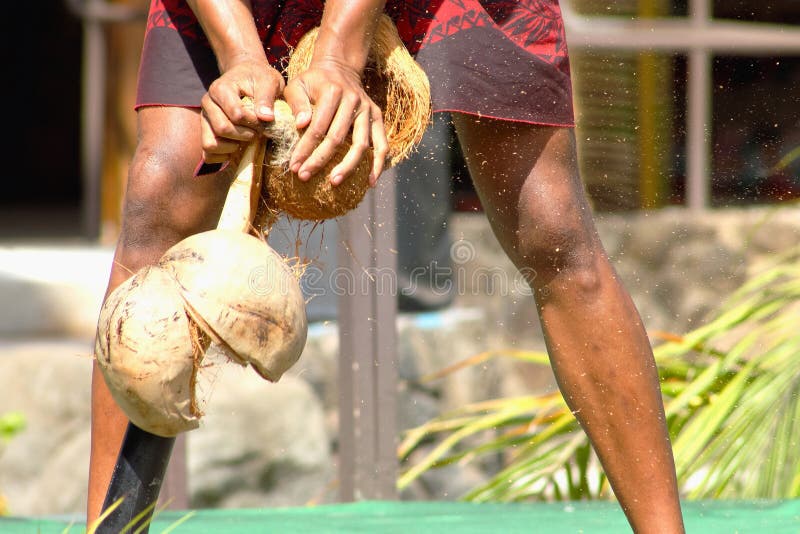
[504,59]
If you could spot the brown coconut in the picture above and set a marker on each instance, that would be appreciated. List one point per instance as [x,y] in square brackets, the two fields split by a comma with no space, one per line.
[223,285]
[396,83]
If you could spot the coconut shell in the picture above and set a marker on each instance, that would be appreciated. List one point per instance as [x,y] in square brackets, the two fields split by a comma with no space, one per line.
[144,349]
[243,295]
[397,84]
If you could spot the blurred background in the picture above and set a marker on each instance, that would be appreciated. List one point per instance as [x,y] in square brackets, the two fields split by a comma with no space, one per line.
[689,144]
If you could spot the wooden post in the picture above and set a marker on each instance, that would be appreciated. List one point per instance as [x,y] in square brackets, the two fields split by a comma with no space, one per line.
[698,127]
[367,284]
[174,491]
[654,114]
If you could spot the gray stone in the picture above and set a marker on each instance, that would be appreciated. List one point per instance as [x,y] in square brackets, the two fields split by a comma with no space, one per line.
[259,438]
[318,365]
[656,243]
[447,483]
[654,313]
[693,308]
[775,238]
[434,341]
[451,482]
[613,231]
[44,469]
[522,378]
[705,264]
[415,407]
[55,290]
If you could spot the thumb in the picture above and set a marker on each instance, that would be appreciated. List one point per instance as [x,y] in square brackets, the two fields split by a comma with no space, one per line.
[297,98]
[264,95]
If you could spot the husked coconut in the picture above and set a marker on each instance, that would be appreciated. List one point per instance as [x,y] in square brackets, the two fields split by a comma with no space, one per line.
[243,295]
[228,286]
[316,198]
[145,351]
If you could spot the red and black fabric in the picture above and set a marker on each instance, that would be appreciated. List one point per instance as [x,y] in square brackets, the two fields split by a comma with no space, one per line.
[504,59]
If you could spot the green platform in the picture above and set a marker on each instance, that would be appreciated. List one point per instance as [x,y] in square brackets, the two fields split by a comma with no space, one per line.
[707,517]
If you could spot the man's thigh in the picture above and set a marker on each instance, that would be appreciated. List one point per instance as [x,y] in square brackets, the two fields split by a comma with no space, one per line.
[528,182]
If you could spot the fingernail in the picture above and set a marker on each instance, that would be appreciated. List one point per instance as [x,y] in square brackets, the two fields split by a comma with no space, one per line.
[305,175]
[265,110]
[371,179]
[294,167]
[336,180]
[303,116]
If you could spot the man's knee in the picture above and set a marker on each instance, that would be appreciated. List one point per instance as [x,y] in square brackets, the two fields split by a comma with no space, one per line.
[164,203]
[552,251]
[558,240]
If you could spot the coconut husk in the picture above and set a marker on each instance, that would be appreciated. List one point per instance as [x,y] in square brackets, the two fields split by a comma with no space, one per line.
[396,83]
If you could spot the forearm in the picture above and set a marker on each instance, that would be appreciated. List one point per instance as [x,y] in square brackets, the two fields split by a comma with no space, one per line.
[231,30]
[346,32]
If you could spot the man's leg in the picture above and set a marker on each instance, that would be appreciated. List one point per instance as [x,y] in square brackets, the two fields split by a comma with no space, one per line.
[527,180]
[164,203]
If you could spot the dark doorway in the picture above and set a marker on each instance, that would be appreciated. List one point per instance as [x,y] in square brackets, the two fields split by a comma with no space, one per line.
[42,184]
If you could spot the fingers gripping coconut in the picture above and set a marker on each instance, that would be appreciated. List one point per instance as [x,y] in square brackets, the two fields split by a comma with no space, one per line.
[396,83]
[224,286]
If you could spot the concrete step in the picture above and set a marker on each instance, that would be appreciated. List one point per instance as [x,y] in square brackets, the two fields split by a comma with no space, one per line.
[52,289]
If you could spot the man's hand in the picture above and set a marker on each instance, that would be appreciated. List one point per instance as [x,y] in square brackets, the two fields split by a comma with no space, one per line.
[328,100]
[225,122]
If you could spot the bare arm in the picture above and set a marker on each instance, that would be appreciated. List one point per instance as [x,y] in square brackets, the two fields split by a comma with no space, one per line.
[244,70]
[346,32]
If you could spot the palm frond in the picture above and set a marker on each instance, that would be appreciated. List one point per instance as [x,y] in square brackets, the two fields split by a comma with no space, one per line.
[732,398]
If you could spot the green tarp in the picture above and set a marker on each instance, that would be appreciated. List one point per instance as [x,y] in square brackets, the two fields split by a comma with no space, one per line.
[702,517]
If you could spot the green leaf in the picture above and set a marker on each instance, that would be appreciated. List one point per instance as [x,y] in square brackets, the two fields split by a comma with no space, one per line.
[11,423]
[732,397]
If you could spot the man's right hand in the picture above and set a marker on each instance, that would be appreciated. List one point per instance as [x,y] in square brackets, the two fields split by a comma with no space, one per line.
[225,121]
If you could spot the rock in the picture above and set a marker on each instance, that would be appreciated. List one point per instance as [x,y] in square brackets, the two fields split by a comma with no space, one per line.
[613,230]
[775,238]
[656,244]
[522,378]
[259,444]
[318,365]
[44,469]
[695,278]
[451,482]
[56,290]
[415,407]
[447,483]
[434,342]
